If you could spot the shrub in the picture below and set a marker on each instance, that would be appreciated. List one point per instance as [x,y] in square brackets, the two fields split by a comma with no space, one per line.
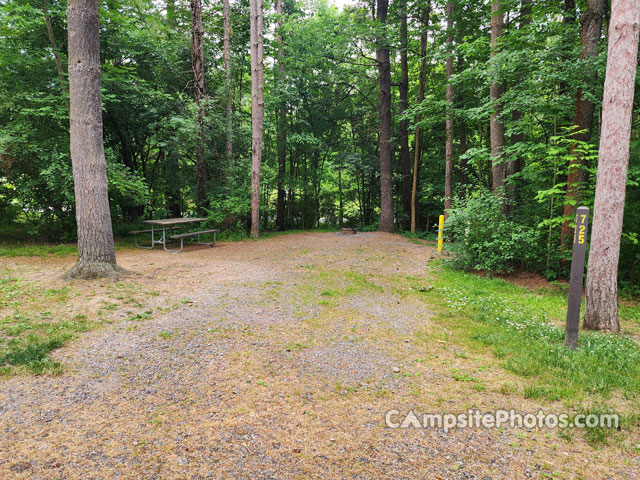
[484,238]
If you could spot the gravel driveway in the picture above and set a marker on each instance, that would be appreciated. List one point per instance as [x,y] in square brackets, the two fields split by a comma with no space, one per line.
[274,359]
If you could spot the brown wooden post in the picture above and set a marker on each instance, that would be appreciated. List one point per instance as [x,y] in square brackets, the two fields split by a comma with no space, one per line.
[577,274]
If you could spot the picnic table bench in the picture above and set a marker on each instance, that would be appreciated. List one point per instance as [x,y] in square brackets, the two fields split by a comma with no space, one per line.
[182,236]
[169,225]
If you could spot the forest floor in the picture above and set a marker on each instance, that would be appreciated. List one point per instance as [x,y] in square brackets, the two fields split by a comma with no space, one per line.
[278,359]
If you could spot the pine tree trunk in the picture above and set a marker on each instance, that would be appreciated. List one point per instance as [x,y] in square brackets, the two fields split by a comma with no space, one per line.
[54,46]
[515,166]
[171,13]
[405,156]
[386,172]
[462,131]
[417,146]
[282,125]
[569,11]
[197,63]
[257,111]
[226,13]
[448,170]
[591,28]
[498,167]
[96,250]
[568,17]
[601,305]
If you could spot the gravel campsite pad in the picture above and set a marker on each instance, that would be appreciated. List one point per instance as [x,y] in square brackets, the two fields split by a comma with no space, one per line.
[273,359]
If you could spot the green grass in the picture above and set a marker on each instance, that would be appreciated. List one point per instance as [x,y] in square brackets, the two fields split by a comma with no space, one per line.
[35,249]
[515,325]
[36,321]
[32,355]
[336,283]
[417,236]
[27,338]
[20,249]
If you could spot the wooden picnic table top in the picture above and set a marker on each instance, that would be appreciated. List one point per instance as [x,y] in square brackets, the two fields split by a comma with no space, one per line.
[174,221]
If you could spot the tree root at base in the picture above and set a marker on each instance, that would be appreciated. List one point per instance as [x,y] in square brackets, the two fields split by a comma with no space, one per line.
[91,270]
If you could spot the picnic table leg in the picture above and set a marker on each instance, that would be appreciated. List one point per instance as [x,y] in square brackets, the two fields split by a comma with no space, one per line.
[206,243]
[142,246]
[164,243]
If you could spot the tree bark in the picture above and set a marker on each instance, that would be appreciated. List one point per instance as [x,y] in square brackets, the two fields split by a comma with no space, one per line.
[601,305]
[228,91]
[96,250]
[448,170]
[417,145]
[498,167]
[583,119]
[282,125]
[197,62]
[257,111]
[405,156]
[384,71]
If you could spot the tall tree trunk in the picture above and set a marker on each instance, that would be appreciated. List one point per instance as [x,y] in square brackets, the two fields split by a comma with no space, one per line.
[171,13]
[569,11]
[515,166]
[568,17]
[448,170]
[577,176]
[226,13]
[424,21]
[498,168]
[197,63]
[386,172]
[257,111]
[405,156]
[96,250]
[462,130]
[601,305]
[54,47]
[282,125]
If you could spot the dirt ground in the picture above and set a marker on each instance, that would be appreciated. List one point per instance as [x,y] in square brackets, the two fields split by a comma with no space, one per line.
[271,359]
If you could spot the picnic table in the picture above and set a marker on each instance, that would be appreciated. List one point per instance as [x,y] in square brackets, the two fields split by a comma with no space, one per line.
[169,225]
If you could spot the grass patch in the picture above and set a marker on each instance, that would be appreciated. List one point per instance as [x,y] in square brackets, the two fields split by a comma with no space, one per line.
[515,324]
[329,284]
[32,354]
[35,321]
[37,250]
[22,249]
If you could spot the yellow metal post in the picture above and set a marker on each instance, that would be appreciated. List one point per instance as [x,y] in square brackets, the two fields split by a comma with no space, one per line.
[440,230]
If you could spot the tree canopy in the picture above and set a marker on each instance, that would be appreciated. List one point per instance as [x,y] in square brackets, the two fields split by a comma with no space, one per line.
[322,120]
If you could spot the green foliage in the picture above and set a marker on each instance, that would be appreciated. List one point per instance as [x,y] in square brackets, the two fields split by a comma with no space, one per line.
[330,95]
[521,328]
[483,238]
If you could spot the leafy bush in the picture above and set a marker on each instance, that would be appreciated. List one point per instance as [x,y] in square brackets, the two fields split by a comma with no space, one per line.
[484,238]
